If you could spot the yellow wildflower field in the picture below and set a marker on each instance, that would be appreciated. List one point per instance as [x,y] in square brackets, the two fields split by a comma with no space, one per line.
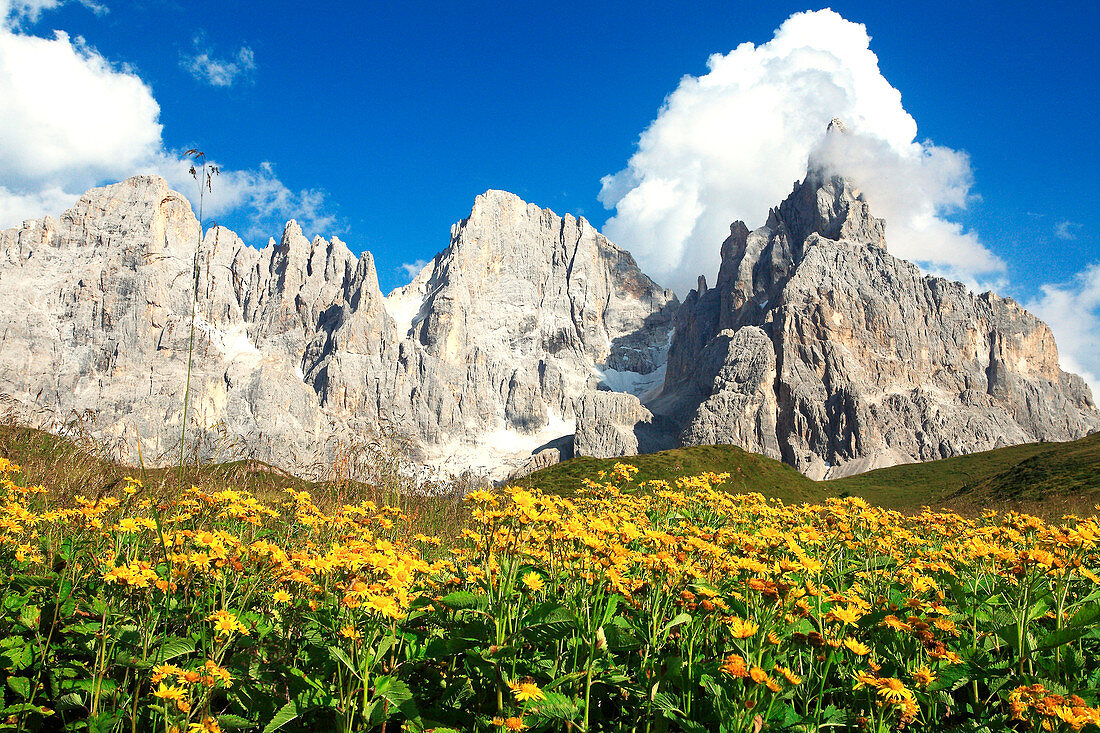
[628,607]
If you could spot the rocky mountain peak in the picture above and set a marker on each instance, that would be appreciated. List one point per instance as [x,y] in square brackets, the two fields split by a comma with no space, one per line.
[477,362]
[818,347]
[529,333]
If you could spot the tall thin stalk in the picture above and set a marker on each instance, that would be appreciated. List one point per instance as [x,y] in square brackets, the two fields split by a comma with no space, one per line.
[204,175]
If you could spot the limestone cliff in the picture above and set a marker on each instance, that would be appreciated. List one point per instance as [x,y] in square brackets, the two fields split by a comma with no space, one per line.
[819,348]
[476,363]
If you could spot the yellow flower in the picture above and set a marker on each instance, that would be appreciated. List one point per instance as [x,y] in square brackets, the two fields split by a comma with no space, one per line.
[892,689]
[127,526]
[164,670]
[280,596]
[790,676]
[226,623]
[533,581]
[856,647]
[845,616]
[165,692]
[350,632]
[514,724]
[734,666]
[923,676]
[527,690]
[742,629]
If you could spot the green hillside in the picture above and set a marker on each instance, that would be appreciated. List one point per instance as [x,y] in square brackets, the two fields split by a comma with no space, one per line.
[749,472]
[1044,478]
[1050,479]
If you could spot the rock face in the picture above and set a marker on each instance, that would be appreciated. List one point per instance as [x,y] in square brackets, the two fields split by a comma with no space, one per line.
[528,339]
[487,350]
[478,362]
[608,424]
[819,348]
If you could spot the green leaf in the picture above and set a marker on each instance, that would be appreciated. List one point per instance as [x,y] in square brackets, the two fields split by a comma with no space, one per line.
[392,689]
[234,722]
[666,703]
[952,679]
[29,616]
[173,647]
[34,581]
[1063,636]
[462,600]
[683,618]
[556,706]
[20,657]
[106,686]
[21,686]
[1088,615]
[342,657]
[282,716]
[398,694]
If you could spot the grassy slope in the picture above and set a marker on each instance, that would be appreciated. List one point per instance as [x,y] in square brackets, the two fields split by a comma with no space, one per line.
[1045,478]
[69,468]
[748,471]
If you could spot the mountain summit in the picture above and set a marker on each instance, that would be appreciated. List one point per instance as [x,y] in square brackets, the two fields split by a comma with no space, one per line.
[530,337]
[476,363]
[819,348]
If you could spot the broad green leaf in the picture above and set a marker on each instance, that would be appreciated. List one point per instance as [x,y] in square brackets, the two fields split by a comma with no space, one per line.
[681,619]
[1088,615]
[463,600]
[951,679]
[174,647]
[282,716]
[34,581]
[1063,636]
[21,686]
[234,722]
[340,655]
[555,706]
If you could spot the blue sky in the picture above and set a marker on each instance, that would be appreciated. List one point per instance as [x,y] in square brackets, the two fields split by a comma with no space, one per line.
[390,118]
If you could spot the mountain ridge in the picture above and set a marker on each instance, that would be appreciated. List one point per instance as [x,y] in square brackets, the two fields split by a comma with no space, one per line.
[297,348]
[529,338]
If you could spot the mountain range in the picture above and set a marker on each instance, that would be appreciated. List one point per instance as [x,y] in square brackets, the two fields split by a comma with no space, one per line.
[528,339]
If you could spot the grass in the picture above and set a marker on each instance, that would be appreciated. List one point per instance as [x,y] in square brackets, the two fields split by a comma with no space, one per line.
[749,472]
[72,467]
[1047,479]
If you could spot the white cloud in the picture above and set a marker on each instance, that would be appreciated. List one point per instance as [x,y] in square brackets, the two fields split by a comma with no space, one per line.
[16,13]
[218,72]
[1067,229]
[67,115]
[70,119]
[912,187]
[412,269]
[1072,310]
[728,145]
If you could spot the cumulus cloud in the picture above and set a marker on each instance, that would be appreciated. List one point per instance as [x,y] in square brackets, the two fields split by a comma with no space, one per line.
[258,196]
[913,187]
[1072,310]
[729,144]
[218,72]
[50,155]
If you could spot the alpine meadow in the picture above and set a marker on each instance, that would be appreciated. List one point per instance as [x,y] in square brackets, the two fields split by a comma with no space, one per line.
[786,422]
